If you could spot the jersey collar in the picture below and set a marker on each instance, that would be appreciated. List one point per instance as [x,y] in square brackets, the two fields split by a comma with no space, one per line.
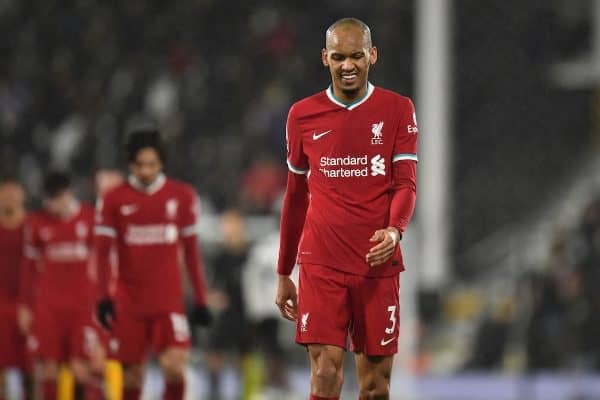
[151,188]
[355,103]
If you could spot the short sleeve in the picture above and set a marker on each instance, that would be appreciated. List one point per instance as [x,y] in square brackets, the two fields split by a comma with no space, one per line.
[296,159]
[106,224]
[405,147]
[190,209]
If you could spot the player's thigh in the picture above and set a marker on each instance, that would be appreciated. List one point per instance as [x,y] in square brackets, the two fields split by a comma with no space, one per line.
[376,315]
[323,306]
[46,340]
[87,342]
[171,340]
[170,330]
[130,338]
[374,374]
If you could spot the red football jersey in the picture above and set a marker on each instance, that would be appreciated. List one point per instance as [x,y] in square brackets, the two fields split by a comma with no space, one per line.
[347,151]
[11,253]
[149,225]
[62,250]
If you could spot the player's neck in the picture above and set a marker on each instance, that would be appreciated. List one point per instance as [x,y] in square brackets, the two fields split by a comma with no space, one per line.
[150,188]
[349,98]
[12,221]
[72,210]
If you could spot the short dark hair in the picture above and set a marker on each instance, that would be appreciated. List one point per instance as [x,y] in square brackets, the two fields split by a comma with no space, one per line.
[346,22]
[55,183]
[141,139]
[9,178]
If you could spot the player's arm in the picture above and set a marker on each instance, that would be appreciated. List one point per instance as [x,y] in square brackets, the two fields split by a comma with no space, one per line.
[402,190]
[293,215]
[193,261]
[27,272]
[105,233]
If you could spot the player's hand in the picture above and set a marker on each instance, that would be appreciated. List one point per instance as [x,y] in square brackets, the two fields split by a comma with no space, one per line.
[387,240]
[24,318]
[201,315]
[287,298]
[105,311]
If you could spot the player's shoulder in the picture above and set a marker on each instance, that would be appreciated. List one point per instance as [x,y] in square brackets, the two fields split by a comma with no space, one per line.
[307,105]
[388,95]
[116,193]
[181,188]
[36,218]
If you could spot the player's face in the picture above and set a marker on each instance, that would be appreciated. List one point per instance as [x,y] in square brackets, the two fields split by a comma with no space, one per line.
[12,200]
[146,166]
[61,203]
[349,56]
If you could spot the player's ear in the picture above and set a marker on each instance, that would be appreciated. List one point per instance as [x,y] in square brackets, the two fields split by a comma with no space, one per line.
[324,57]
[372,55]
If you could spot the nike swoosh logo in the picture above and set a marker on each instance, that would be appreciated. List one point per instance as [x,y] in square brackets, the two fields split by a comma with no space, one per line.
[128,210]
[320,135]
[386,342]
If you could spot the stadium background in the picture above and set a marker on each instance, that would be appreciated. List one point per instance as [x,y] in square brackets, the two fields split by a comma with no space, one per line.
[512,313]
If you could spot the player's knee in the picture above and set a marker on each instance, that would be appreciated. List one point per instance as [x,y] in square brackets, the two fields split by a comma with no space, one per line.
[172,363]
[97,361]
[133,375]
[79,370]
[327,371]
[49,370]
[375,387]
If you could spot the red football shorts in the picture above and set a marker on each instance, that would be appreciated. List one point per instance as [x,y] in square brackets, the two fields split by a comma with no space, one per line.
[62,333]
[134,335]
[13,344]
[333,305]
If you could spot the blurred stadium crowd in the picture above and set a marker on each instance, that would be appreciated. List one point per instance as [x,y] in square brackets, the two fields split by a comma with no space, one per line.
[218,78]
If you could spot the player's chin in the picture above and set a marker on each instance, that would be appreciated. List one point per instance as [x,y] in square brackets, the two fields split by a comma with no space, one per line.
[350,87]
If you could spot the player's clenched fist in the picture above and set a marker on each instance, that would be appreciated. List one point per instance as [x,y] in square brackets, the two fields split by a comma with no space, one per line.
[105,311]
[287,298]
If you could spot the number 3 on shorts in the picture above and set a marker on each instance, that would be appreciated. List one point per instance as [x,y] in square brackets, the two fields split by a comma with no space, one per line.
[392,311]
[181,329]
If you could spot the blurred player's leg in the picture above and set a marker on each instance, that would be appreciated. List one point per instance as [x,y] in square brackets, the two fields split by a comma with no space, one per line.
[48,379]
[28,383]
[133,377]
[172,362]
[113,380]
[88,381]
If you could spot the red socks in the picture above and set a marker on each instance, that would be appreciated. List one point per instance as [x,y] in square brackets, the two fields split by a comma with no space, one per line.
[174,391]
[49,390]
[313,397]
[131,393]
